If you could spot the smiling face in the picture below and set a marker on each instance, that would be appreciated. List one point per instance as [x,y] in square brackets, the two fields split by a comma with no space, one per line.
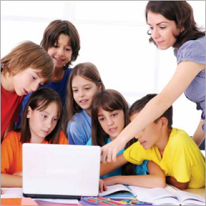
[111,122]
[27,81]
[163,31]
[149,136]
[61,52]
[83,92]
[42,123]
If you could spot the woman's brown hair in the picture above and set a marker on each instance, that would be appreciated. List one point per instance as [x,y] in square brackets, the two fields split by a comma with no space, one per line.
[39,100]
[51,35]
[28,55]
[182,14]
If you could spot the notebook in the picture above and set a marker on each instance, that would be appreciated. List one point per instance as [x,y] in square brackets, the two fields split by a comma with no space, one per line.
[60,171]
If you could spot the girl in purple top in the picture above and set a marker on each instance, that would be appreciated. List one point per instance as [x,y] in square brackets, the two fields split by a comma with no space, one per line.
[171,24]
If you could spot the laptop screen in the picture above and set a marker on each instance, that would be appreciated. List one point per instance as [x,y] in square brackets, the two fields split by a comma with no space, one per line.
[60,171]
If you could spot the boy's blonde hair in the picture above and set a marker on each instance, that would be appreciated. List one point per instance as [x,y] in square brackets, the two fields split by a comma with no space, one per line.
[28,55]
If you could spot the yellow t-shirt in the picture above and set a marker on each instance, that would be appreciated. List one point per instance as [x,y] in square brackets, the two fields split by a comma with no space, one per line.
[181,159]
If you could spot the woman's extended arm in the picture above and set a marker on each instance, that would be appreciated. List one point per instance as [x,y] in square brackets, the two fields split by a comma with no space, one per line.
[155,178]
[183,76]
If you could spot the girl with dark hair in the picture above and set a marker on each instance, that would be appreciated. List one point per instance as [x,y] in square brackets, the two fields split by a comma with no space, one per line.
[171,24]
[84,82]
[41,123]
[109,116]
[61,41]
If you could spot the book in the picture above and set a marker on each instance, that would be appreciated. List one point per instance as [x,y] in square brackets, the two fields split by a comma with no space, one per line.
[46,201]
[158,196]
[118,190]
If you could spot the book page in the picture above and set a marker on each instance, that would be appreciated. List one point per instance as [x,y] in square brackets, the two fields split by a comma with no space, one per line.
[187,196]
[11,192]
[113,189]
[192,202]
[166,201]
[46,201]
[149,195]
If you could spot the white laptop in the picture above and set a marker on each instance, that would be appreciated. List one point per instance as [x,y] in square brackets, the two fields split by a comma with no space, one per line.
[60,171]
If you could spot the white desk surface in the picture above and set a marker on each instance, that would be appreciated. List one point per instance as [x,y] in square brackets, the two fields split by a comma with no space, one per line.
[17,192]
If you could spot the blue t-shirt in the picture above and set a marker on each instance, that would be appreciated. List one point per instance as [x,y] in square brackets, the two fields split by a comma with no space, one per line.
[79,129]
[194,50]
[60,87]
[140,169]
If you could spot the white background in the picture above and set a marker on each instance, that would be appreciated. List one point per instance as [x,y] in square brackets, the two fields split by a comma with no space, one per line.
[114,37]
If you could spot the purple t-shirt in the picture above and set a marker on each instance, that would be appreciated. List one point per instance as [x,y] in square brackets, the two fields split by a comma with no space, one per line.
[194,50]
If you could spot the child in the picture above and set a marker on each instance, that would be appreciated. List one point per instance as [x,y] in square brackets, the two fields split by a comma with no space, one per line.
[23,70]
[41,123]
[109,117]
[84,83]
[62,43]
[170,148]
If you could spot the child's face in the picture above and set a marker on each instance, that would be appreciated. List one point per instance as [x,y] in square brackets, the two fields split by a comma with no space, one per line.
[83,92]
[163,31]
[111,122]
[27,81]
[149,136]
[61,52]
[42,123]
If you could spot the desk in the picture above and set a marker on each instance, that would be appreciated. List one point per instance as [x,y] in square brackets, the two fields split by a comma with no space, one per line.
[17,192]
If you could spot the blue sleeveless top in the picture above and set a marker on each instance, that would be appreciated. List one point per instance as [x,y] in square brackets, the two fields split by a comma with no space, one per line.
[194,50]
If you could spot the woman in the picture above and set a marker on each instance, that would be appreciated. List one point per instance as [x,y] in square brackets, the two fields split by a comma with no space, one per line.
[171,25]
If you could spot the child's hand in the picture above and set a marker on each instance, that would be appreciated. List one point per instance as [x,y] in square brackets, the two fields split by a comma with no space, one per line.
[1,191]
[102,186]
[111,180]
[18,174]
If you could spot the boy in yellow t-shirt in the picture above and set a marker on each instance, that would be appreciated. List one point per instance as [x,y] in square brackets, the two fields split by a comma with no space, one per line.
[170,148]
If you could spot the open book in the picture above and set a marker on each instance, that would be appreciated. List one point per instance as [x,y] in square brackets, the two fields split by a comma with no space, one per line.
[158,196]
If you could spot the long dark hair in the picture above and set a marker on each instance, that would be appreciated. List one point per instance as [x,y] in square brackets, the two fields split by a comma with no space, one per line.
[39,100]
[110,100]
[182,14]
[88,71]
[51,35]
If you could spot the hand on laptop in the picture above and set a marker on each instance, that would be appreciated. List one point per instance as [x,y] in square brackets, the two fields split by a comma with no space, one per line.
[102,186]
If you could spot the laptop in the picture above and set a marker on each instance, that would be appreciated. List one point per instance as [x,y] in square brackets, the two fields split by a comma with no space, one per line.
[60,171]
